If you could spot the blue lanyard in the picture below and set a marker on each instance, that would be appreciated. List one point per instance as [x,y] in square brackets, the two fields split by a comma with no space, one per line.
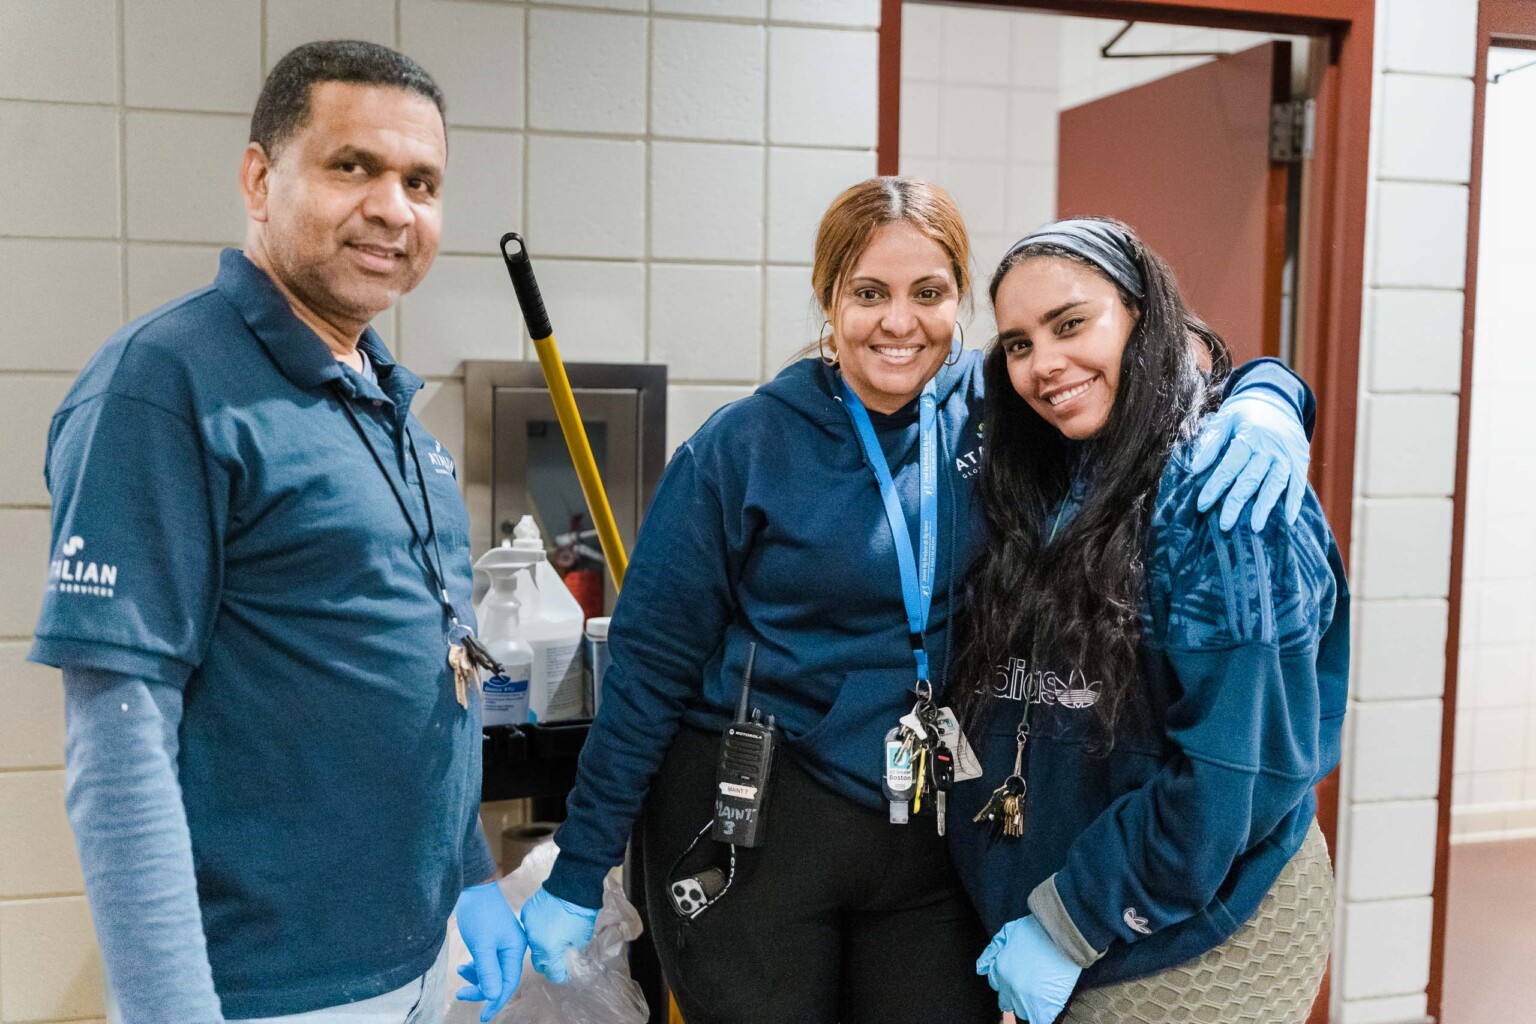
[916,577]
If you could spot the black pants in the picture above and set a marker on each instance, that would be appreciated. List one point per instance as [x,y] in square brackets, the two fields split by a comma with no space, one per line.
[839,917]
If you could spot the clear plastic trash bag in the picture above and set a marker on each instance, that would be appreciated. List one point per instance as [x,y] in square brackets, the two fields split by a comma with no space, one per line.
[600,990]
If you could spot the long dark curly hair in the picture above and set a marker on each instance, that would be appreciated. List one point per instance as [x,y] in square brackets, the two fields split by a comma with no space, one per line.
[1075,601]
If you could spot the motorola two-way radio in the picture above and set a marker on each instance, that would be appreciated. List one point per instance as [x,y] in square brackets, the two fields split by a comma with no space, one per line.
[746,769]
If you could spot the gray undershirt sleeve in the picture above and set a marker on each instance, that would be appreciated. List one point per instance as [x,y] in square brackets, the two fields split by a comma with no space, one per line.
[130,826]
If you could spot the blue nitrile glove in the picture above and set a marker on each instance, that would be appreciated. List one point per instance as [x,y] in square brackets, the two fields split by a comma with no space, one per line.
[1267,453]
[1032,977]
[496,943]
[555,926]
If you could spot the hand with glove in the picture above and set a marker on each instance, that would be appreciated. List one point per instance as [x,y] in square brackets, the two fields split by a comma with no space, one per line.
[496,944]
[555,926]
[1032,977]
[1266,455]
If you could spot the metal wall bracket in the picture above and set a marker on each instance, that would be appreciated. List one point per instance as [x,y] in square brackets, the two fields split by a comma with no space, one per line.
[1291,127]
[1104,51]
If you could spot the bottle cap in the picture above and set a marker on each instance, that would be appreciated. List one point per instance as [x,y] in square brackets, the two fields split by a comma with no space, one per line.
[597,627]
[527,537]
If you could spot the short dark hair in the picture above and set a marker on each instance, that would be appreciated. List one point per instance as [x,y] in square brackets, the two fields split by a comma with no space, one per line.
[283,106]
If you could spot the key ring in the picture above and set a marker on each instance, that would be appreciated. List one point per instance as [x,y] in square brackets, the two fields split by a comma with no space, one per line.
[924,691]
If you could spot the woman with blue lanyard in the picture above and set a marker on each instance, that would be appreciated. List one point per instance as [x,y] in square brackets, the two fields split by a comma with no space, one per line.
[824,523]
[1153,697]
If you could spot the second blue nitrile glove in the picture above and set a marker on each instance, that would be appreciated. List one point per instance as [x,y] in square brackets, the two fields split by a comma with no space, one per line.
[1032,977]
[1264,453]
[496,944]
[554,927]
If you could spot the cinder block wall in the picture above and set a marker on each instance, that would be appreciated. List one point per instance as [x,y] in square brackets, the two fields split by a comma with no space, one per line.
[667,160]
[1410,375]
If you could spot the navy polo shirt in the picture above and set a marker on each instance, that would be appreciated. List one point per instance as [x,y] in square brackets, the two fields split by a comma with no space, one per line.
[219,525]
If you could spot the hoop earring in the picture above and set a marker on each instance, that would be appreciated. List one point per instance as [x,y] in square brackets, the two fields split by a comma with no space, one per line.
[959,351]
[820,342]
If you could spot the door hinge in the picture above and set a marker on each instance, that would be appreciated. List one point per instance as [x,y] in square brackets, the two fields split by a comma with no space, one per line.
[1290,131]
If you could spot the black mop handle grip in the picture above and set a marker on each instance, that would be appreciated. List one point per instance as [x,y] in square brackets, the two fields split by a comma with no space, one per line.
[520,268]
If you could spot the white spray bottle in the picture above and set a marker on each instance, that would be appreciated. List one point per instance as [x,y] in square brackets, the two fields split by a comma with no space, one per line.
[552,623]
[507,693]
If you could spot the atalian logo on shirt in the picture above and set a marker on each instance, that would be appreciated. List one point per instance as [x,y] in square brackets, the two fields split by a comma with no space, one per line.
[968,463]
[1135,922]
[441,461]
[71,575]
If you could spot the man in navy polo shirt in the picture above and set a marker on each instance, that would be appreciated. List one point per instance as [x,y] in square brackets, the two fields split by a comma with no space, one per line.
[257,577]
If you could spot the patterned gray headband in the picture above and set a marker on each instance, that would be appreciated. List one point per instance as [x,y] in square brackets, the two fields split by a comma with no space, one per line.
[1101,243]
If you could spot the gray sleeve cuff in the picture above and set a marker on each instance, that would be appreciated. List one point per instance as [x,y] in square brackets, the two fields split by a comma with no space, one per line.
[1046,905]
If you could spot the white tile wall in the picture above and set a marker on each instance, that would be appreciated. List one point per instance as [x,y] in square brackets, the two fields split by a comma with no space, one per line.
[184,176]
[192,54]
[1407,430]
[476,53]
[32,729]
[597,308]
[1415,339]
[792,319]
[808,65]
[688,406]
[586,197]
[27,402]
[293,22]
[61,299]
[1386,948]
[852,13]
[37,849]
[1400,649]
[1404,547]
[1396,752]
[1386,1010]
[36,140]
[483,193]
[1426,128]
[696,326]
[708,80]
[801,183]
[465,309]
[587,71]
[1394,850]
[1410,445]
[1421,239]
[59,50]
[706,201]
[1436,37]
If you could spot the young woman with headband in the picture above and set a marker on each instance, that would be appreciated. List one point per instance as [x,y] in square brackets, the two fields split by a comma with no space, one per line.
[769,529]
[1154,698]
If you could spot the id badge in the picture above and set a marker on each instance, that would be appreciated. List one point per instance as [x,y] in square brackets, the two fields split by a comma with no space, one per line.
[967,766]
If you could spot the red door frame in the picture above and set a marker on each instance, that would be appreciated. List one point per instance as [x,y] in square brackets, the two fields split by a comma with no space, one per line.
[1336,200]
[1499,23]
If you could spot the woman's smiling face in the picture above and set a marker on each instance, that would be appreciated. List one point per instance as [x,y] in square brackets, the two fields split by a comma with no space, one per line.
[1064,328]
[896,316]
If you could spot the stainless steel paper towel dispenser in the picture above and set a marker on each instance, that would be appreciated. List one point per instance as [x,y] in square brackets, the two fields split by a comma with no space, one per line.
[516,462]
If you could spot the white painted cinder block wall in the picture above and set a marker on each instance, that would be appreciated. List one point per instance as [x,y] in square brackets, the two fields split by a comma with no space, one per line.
[667,160]
[1410,366]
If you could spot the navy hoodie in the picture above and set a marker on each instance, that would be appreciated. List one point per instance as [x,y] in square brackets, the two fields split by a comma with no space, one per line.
[1157,852]
[768,528]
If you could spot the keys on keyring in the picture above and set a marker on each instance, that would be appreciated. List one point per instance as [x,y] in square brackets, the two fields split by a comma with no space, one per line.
[914,734]
[1005,807]
[942,770]
[463,670]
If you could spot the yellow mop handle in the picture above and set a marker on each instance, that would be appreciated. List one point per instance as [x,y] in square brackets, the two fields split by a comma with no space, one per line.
[543,334]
